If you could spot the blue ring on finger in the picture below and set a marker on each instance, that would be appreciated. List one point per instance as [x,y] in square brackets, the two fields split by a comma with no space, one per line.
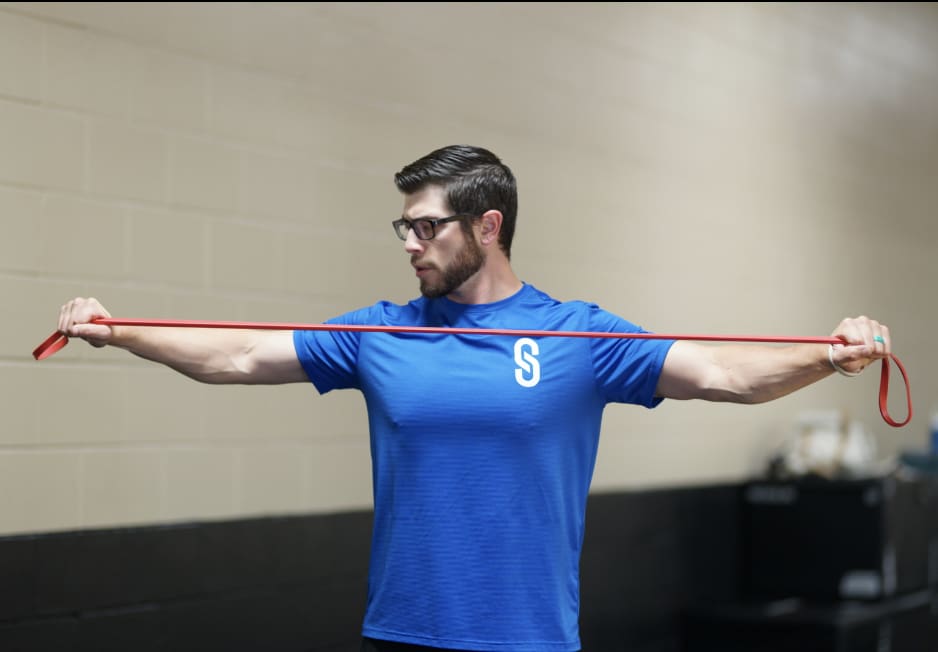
[879,338]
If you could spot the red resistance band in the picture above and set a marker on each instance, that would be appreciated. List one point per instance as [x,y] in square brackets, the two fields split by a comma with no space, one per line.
[57,341]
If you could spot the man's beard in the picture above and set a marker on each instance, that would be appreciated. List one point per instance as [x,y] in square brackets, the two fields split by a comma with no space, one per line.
[467,262]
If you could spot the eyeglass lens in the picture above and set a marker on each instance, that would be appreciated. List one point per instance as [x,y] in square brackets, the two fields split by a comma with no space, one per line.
[422,227]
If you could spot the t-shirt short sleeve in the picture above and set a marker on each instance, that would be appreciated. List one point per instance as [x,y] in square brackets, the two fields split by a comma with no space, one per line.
[330,358]
[627,370]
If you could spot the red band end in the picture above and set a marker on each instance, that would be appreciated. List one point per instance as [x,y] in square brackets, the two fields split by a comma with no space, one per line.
[52,344]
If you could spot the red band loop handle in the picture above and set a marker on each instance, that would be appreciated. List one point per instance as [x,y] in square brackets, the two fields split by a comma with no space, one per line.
[57,341]
[884,392]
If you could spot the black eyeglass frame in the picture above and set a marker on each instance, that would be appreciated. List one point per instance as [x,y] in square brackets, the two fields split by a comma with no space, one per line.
[431,221]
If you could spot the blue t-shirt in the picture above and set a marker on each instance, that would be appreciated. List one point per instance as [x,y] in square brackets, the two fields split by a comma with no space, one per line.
[483,449]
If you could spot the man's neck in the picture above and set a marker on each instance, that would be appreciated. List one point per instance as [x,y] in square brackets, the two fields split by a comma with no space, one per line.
[488,285]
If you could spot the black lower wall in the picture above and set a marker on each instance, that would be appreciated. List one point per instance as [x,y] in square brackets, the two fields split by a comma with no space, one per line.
[298,583]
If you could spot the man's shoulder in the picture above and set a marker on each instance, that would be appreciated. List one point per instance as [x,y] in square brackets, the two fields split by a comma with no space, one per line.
[538,298]
[381,312]
[594,317]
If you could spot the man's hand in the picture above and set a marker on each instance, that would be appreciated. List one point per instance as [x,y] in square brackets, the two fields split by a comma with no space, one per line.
[866,340]
[75,321]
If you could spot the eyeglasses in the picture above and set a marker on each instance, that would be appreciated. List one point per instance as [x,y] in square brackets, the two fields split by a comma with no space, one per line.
[424,227]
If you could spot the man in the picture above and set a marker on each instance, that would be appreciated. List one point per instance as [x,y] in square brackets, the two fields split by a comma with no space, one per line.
[483,447]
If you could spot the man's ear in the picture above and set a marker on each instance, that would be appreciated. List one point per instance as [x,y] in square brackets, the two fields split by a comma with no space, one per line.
[490,225]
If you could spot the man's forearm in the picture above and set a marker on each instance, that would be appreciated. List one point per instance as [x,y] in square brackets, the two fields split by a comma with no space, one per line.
[209,356]
[761,374]
[740,373]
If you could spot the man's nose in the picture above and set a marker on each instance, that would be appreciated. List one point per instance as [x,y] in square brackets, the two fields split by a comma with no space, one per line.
[412,244]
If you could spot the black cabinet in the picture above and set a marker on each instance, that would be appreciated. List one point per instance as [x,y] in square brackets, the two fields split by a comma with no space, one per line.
[845,540]
[907,623]
[830,566]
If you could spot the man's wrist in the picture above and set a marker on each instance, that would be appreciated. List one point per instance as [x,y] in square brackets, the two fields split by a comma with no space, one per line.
[836,367]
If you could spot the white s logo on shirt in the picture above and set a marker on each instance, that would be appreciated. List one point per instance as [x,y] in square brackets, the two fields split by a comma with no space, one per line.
[528,372]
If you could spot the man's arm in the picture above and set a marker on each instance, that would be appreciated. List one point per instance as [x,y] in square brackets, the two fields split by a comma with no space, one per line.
[217,356]
[756,374]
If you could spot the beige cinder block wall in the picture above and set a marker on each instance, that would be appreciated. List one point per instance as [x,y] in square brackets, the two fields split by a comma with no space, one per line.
[735,168]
